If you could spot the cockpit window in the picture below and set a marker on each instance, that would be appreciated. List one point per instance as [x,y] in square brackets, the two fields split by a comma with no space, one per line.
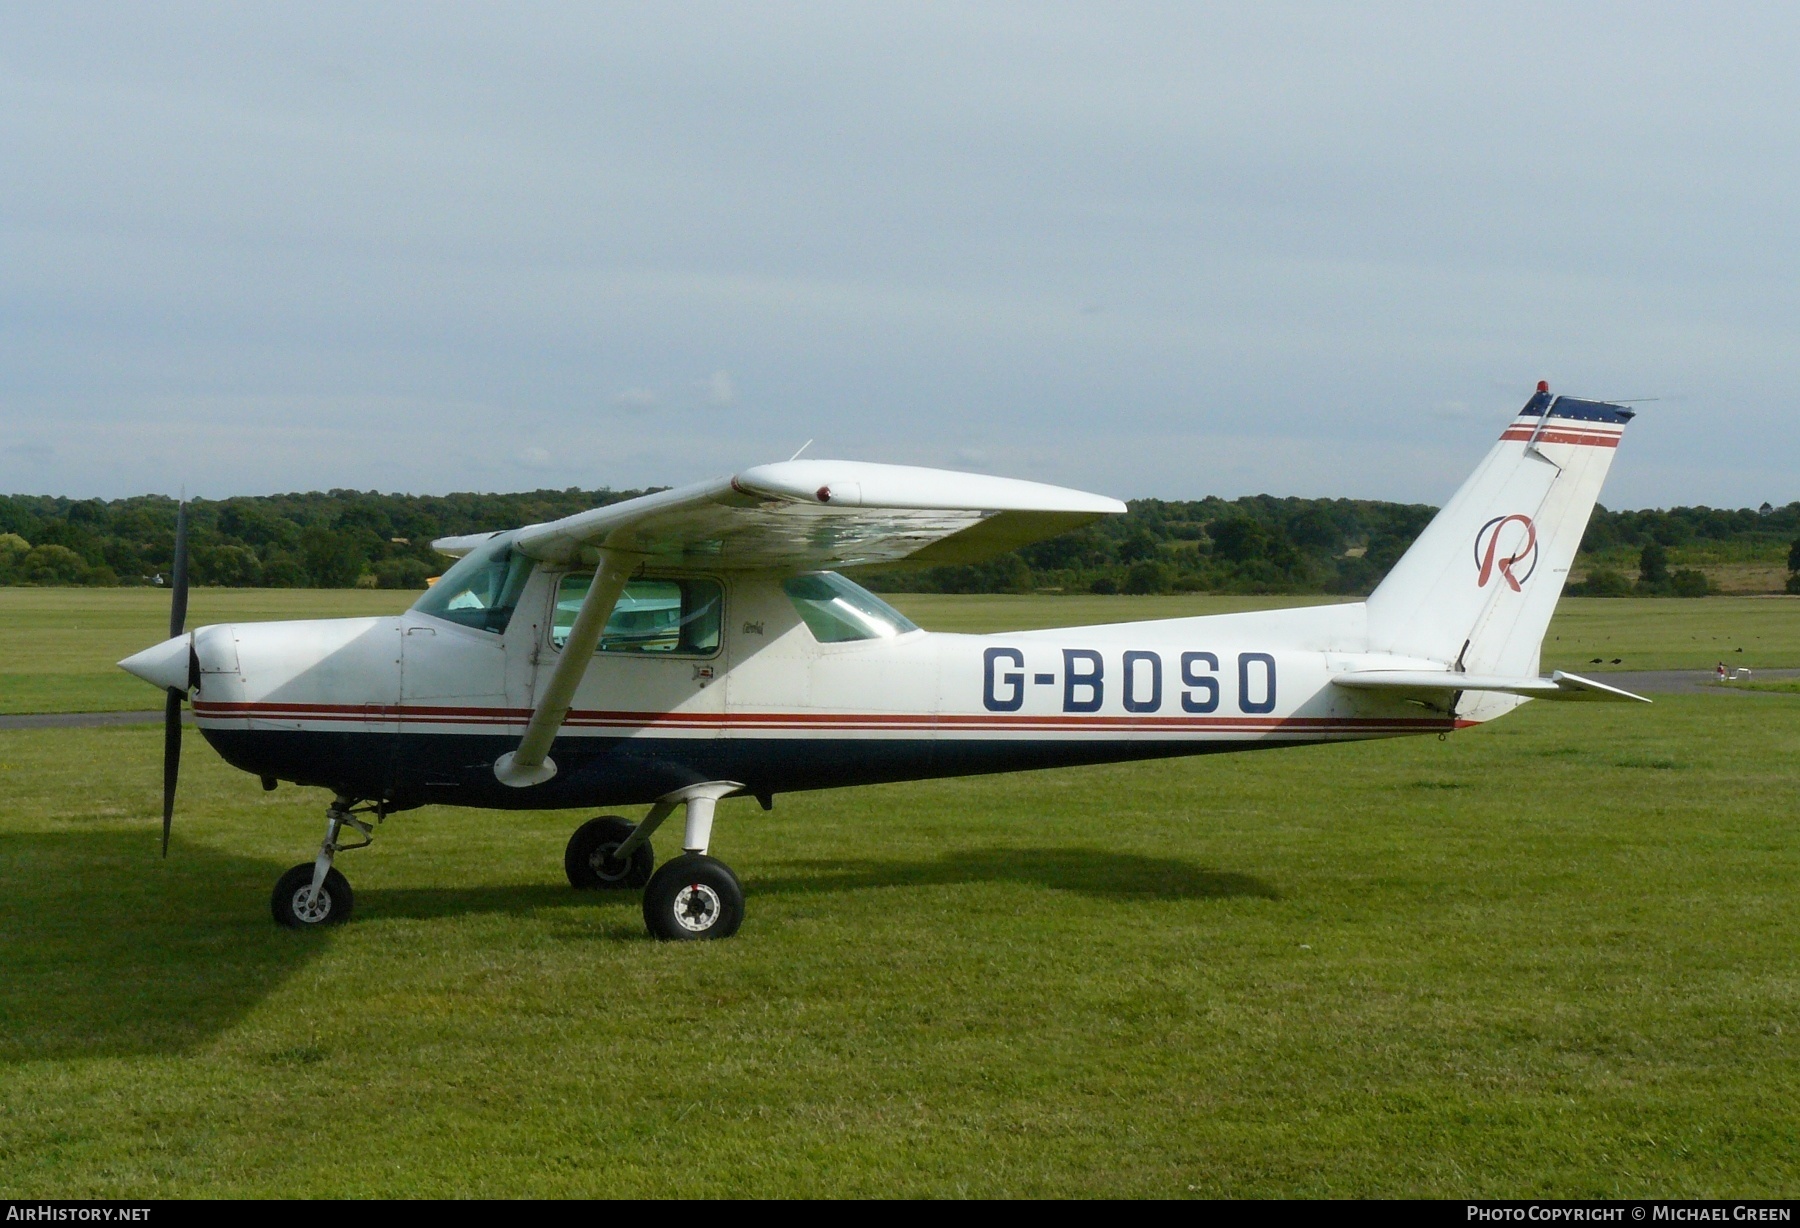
[482,589]
[837,610]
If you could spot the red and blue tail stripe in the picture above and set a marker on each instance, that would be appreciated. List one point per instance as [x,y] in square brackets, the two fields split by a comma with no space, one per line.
[1568,420]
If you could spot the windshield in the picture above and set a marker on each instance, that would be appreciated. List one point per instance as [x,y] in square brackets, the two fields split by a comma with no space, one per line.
[837,610]
[482,589]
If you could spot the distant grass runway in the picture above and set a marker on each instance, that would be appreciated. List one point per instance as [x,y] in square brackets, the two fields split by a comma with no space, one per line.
[1553,956]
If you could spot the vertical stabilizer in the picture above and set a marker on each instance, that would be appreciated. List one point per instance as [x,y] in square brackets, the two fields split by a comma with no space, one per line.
[1477,589]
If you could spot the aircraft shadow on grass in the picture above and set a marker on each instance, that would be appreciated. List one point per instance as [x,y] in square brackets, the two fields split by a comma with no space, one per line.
[107,950]
[431,903]
[1095,872]
[1109,875]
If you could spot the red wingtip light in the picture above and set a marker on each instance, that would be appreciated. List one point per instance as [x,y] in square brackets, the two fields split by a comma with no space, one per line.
[1543,385]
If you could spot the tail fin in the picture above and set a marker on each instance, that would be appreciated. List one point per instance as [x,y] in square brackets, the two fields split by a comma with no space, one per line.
[1477,589]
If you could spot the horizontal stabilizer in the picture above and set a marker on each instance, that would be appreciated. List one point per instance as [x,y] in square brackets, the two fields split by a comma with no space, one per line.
[1557,686]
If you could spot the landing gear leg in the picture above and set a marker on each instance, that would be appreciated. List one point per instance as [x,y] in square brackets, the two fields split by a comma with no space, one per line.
[694,896]
[314,893]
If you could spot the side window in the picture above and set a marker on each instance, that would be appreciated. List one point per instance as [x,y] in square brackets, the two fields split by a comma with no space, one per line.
[838,611]
[679,617]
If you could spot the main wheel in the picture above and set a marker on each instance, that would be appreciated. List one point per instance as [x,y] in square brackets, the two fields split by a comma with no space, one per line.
[692,897]
[330,907]
[589,860]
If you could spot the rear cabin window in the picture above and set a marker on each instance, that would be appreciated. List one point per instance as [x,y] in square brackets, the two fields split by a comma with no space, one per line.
[838,611]
[482,589]
[674,617]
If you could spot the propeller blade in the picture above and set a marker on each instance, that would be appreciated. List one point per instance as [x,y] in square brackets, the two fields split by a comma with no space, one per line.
[178,580]
[178,597]
[171,760]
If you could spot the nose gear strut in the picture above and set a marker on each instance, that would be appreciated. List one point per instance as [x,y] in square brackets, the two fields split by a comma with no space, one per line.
[316,894]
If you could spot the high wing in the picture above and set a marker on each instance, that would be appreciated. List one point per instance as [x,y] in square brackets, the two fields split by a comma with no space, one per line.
[795,516]
[812,514]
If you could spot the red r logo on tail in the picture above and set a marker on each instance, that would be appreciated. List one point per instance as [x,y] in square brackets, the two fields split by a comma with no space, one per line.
[1491,554]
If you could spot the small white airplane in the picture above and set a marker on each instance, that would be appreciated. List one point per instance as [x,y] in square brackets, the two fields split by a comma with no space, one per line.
[691,645]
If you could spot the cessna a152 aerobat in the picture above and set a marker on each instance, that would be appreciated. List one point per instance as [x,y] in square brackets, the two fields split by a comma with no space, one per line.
[695,644]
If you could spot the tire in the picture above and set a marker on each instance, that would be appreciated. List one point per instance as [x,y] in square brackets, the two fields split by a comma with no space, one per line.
[589,863]
[692,898]
[333,906]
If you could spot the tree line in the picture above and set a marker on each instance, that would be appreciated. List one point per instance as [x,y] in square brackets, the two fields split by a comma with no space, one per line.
[333,539]
[1257,544]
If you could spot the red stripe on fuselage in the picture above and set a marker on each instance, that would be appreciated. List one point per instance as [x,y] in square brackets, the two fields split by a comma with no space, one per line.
[820,722]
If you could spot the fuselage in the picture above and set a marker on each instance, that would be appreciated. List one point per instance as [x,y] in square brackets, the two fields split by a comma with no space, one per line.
[415,708]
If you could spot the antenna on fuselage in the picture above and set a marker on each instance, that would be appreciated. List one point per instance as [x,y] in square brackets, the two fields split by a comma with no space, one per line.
[797,451]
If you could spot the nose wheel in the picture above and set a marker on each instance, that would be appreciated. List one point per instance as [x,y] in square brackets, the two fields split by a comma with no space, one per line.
[297,906]
[313,893]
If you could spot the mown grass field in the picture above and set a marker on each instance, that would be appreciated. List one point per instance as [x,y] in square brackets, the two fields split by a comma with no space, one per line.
[63,643]
[1551,956]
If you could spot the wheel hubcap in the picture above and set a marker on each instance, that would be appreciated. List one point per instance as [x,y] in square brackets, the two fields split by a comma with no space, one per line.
[697,907]
[606,866]
[315,910]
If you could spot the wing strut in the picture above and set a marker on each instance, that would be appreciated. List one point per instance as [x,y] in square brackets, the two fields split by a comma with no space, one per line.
[531,764]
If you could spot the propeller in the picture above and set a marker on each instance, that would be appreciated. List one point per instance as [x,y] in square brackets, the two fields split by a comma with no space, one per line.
[178,582]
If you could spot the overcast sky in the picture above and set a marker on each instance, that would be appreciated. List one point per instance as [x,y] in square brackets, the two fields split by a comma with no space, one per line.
[1141,249]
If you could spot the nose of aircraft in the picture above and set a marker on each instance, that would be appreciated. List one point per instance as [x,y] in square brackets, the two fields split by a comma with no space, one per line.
[163,666]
